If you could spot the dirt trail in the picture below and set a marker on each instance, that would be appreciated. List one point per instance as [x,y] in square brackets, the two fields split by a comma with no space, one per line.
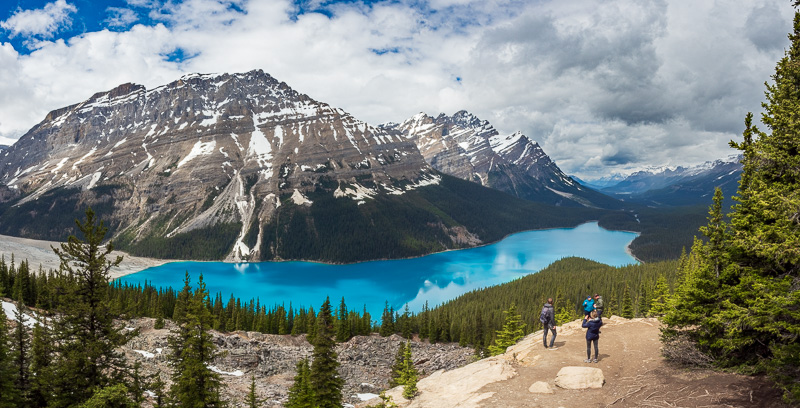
[635,373]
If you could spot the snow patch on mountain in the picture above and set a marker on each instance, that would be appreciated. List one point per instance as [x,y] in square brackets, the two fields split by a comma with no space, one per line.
[299,199]
[200,149]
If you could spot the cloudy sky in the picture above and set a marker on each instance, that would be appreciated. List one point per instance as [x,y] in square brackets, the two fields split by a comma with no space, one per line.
[604,86]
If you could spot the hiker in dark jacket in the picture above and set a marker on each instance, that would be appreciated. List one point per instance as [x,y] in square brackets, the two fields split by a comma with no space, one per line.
[599,305]
[593,323]
[548,319]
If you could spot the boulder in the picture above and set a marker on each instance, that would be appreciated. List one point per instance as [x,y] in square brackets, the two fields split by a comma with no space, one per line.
[579,378]
[540,387]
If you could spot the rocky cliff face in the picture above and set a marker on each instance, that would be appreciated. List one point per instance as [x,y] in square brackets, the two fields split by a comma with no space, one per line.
[204,151]
[464,146]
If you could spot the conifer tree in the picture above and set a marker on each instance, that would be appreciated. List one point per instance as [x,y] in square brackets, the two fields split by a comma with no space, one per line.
[193,382]
[325,380]
[513,330]
[661,298]
[251,399]
[342,324]
[405,326]
[112,396]
[21,349]
[87,339]
[387,321]
[644,301]
[627,304]
[397,367]
[409,374]
[8,393]
[41,365]
[739,301]
[301,393]
[157,386]
[424,321]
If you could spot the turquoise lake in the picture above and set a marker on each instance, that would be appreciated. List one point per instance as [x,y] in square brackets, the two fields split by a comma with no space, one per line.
[433,278]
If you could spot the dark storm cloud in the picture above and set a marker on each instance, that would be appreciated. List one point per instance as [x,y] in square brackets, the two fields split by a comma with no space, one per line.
[619,158]
[765,27]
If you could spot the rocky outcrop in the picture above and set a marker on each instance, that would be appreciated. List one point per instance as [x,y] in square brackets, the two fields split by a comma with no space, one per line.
[467,147]
[366,361]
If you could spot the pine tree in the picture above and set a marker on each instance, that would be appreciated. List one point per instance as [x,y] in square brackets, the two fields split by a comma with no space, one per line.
[409,374]
[21,353]
[627,303]
[41,365]
[342,325]
[397,367]
[424,321]
[325,380]
[644,301]
[193,382]
[301,393]
[157,386]
[112,396]
[661,298]
[251,399]
[513,330]
[9,395]
[387,321]
[739,301]
[86,337]
[405,326]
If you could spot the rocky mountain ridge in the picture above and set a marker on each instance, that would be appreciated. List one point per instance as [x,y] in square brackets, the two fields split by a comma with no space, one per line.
[241,167]
[246,140]
[679,185]
[469,148]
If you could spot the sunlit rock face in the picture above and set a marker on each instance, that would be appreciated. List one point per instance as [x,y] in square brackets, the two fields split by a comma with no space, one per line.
[206,150]
[467,147]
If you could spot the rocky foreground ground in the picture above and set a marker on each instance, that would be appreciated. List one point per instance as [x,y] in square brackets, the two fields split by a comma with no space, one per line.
[631,372]
[366,361]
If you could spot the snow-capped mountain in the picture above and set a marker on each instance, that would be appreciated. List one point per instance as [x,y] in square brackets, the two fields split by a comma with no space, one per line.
[467,147]
[680,185]
[207,150]
[242,167]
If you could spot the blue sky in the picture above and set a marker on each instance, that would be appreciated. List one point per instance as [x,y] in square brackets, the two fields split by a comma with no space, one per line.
[603,86]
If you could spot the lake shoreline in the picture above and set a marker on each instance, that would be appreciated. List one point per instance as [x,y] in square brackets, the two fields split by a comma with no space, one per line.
[39,252]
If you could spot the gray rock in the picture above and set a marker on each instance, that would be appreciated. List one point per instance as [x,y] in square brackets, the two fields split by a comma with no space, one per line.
[578,378]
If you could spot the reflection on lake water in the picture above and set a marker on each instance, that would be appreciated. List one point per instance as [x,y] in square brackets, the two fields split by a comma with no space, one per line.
[433,278]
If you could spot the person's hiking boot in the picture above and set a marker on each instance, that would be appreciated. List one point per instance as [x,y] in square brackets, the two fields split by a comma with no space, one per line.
[594,361]
[587,361]
[553,348]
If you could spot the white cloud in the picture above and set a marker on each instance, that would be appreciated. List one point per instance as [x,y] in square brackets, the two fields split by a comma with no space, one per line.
[40,22]
[602,86]
[120,17]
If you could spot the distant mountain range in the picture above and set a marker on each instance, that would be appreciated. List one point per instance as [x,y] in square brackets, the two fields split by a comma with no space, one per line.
[469,148]
[675,186]
[242,167]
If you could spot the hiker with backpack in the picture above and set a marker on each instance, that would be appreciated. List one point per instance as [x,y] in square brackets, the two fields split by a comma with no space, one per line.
[548,318]
[592,323]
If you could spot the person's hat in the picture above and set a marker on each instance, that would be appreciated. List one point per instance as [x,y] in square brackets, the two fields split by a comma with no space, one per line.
[596,295]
